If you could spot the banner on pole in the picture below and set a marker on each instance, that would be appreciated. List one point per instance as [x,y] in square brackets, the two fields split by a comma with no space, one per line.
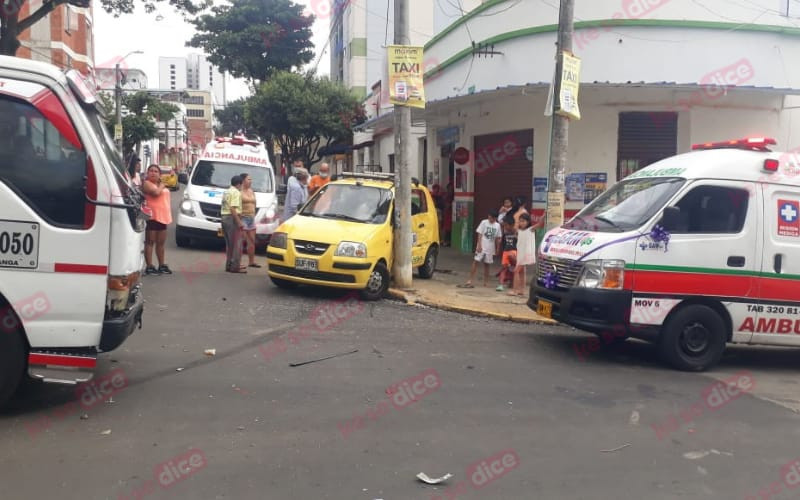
[570,85]
[405,76]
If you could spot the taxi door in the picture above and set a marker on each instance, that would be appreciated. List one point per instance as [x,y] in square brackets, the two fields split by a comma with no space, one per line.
[421,225]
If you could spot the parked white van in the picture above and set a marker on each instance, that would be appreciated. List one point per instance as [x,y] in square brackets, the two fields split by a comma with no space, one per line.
[71,229]
[223,158]
[692,252]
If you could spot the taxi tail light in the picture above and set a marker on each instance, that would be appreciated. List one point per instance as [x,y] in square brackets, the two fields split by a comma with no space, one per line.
[119,289]
[771,165]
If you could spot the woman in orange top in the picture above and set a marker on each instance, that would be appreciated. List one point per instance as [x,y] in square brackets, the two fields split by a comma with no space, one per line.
[158,199]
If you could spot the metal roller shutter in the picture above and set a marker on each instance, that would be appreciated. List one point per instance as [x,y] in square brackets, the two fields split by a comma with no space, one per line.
[645,138]
[511,175]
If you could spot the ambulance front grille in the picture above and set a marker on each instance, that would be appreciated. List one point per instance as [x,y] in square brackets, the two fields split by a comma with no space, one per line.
[568,270]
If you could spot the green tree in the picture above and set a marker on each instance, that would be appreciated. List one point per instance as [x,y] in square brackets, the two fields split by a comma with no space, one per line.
[304,113]
[252,39]
[139,125]
[11,26]
[231,117]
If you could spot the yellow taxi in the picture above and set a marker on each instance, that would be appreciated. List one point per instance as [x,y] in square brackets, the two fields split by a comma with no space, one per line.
[169,178]
[342,237]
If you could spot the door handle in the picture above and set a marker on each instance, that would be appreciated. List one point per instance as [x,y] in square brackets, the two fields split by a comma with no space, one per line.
[422,225]
[735,261]
[778,263]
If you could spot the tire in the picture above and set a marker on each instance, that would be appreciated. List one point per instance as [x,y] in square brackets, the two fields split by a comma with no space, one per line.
[13,353]
[281,283]
[428,267]
[693,339]
[378,283]
[181,240]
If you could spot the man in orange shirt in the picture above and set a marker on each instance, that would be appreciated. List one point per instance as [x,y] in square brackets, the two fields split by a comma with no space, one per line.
[319,180]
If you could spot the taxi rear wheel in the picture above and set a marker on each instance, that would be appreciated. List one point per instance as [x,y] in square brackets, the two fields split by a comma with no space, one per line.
[427,269]
[378,283]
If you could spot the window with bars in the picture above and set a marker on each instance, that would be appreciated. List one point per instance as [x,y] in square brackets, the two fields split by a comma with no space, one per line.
[644,138]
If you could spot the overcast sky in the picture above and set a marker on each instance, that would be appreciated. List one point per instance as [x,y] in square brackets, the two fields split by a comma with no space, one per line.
[115,37]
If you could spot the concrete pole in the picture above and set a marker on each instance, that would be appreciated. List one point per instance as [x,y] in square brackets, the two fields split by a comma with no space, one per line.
[560,125]
[401,270]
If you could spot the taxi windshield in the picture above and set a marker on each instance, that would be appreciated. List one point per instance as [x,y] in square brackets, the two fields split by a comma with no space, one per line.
[627,205]
[350,202]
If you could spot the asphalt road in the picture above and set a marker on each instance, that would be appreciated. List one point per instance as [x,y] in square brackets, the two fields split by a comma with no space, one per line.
[244,424]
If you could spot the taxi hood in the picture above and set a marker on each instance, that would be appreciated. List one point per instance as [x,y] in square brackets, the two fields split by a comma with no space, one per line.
[330,231]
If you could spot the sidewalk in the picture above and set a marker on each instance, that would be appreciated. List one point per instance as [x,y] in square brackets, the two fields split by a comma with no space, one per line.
[453,269]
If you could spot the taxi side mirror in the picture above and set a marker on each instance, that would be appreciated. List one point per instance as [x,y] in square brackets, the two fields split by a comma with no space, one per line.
[671,217]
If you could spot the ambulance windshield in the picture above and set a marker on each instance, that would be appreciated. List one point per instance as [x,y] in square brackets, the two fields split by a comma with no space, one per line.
[627,205]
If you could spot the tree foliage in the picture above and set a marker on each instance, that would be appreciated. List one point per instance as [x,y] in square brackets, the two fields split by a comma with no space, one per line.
[255,38]
[231,118]
[11,26]
[304,113]
[140,123]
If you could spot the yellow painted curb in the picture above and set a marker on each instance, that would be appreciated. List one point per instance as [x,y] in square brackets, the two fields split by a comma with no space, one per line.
[401,295]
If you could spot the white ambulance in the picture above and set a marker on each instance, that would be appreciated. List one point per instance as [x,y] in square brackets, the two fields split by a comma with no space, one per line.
[71,229]
[692,252]
[223,158]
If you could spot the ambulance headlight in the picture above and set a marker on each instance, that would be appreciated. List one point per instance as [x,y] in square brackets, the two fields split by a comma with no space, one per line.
[186,208]
[606,274]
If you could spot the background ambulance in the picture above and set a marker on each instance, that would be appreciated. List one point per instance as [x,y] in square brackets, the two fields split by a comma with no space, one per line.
[199,215]
[71,229]
[691,253]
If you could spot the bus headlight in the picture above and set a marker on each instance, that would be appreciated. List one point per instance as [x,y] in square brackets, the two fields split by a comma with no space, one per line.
[605,274]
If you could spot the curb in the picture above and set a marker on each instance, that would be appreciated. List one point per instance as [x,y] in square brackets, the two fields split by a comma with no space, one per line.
[412,299]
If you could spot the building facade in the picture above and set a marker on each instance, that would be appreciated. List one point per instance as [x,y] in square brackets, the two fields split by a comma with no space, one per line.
[656,77]
[62,38]
[200,105]
[192,72]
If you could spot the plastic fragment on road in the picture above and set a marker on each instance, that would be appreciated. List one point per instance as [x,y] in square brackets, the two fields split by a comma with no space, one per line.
[425,479]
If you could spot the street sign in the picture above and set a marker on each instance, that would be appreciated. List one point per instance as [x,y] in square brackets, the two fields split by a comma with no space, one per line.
[117,132]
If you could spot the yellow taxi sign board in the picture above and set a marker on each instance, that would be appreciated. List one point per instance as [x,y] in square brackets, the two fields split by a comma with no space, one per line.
[405,76]
[570,86]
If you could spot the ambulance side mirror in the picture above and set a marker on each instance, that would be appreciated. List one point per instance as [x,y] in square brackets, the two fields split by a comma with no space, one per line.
[183,178]
[671,218]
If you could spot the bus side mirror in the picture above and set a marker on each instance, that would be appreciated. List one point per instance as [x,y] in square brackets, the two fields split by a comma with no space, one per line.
[670,219]
[183,178]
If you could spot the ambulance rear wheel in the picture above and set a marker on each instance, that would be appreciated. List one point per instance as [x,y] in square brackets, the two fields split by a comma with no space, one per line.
[12,362]
[693,339]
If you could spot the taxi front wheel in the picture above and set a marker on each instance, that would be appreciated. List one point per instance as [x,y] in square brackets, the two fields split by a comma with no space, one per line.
[693,339]
[378,283]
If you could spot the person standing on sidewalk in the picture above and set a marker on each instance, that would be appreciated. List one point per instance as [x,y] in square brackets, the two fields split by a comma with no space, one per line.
[232,225]
[489,237]
[296,193]
[526,253]
[248,218]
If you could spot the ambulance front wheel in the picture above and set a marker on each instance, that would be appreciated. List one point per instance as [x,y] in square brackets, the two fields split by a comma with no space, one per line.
[693,338]
[12,362]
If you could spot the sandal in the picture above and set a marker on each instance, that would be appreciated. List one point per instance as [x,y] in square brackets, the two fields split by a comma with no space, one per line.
[466,285]
[254,265]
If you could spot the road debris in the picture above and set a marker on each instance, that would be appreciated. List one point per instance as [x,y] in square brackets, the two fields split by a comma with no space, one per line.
[210,352]
[323,359]
[425,479]
[616,449]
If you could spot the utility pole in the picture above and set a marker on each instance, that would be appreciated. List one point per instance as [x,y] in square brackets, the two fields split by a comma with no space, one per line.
[402,148]
[559,133]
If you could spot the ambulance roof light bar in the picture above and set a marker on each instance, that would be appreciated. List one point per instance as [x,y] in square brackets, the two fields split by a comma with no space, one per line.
[751,143]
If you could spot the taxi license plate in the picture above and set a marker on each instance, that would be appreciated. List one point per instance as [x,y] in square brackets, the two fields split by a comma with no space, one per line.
[220,233]
[305,264]
[544,309]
